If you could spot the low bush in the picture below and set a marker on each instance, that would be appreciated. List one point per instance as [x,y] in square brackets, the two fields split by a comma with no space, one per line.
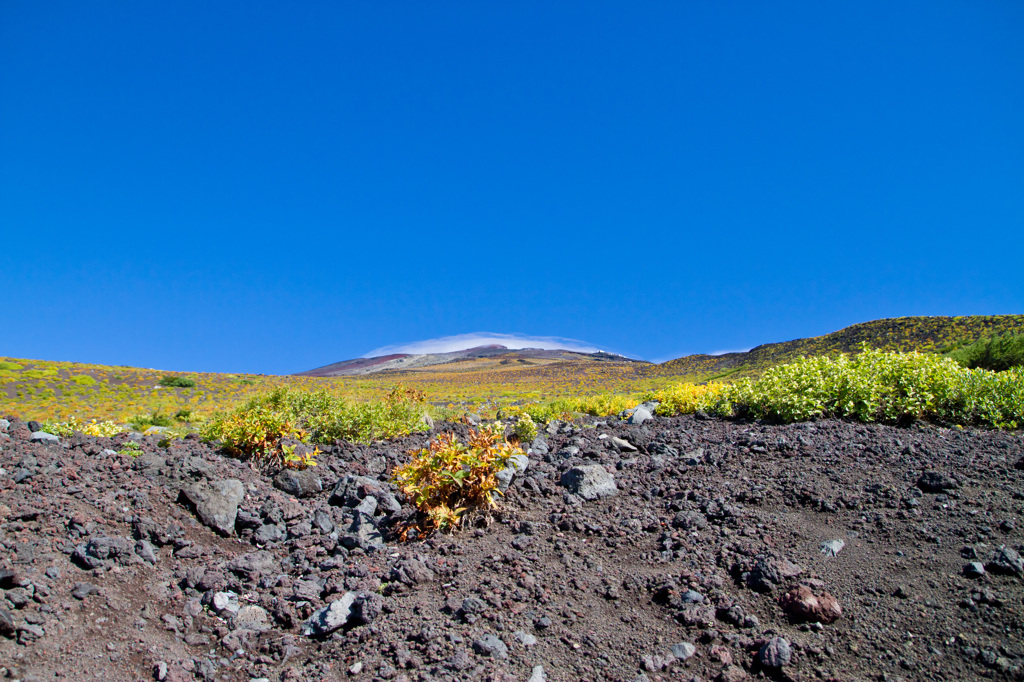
[525,430]
[449,478]
[92,428]
[141,422]
[686,398]
[256,429]
[176,382]
[880,386]
[10,366]
[997,353]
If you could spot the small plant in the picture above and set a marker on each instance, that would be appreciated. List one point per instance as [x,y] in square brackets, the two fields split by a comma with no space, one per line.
[301,461]
[130,449]
[525,429]
[183,415]
[176,382]
[92,428]
[450,478]
[141,422]
[686,398]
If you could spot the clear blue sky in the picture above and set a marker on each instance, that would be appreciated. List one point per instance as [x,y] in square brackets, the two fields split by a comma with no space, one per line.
[270,187]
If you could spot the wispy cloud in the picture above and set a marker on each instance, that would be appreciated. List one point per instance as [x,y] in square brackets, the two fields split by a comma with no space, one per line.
[447,344]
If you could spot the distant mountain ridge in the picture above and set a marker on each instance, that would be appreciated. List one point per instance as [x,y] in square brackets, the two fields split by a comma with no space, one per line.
[929,334]
[398,362]
[921,333]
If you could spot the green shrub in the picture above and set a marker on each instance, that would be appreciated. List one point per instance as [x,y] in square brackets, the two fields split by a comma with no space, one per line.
[257,428]
[184,415]
[141,422]
[176,382]
[881,386]
[525,430]
[997,353]
[84,380]
[11,366]
[449,478]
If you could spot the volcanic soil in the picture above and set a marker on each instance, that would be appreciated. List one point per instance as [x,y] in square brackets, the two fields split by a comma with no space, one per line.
[682,548]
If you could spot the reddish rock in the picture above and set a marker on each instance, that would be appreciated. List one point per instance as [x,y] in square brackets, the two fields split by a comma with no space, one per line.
[801,604]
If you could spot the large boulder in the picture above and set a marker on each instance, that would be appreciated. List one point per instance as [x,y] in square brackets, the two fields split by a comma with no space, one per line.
[590,482]
[216,503]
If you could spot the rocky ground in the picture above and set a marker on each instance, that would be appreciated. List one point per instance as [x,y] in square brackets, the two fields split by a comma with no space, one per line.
[676,549]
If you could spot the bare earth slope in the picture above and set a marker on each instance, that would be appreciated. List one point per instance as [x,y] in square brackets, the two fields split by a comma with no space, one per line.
[110,568]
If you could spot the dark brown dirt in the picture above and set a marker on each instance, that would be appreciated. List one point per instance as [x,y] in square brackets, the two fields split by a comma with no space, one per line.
[713,525]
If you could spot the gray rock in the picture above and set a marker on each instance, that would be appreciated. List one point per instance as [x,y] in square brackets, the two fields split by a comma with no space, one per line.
[368,506]
[623,445]
[538,674]
[770,572]
[1006,560]
[640,415]
[252,617]
[411,572]
[322,522]
[590,482]
[517,464]
[694,457]
[832,547]
[936,482]
[270,532]
[975,569]
[103,551]
[776,653]
[683,650]
[4,425]
[304,483]
[254,564]
[539,446]
[146,551]
[363,533]
[692,597]
[7,625]
[216,503]
[490,645]
[225,602]
[326,620]
[42,436]
[351,490]
[525,638]
[83,590]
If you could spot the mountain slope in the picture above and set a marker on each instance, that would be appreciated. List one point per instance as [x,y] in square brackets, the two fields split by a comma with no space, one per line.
[925,334]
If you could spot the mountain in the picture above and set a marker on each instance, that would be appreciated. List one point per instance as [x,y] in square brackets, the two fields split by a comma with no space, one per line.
[926,334]
[403,362]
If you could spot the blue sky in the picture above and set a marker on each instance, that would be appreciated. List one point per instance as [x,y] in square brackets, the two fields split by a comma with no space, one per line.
[271,187]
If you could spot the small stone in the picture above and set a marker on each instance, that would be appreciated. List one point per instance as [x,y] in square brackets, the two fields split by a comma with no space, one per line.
[525,638]
[832,547]
[490,645]
[683,650]
[1007,561]
[355,668]
[83,590]
[974,569]
[776,653]
[538,674]
[330,618]
[936,482]
[590,482]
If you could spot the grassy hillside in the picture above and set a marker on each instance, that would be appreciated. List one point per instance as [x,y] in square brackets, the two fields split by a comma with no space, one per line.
[925,334]
[39,389]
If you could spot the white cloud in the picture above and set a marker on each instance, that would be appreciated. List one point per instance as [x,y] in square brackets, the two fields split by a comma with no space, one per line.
[447,344]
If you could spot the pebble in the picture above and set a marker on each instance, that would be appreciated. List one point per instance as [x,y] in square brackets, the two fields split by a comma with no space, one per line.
[775,653]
